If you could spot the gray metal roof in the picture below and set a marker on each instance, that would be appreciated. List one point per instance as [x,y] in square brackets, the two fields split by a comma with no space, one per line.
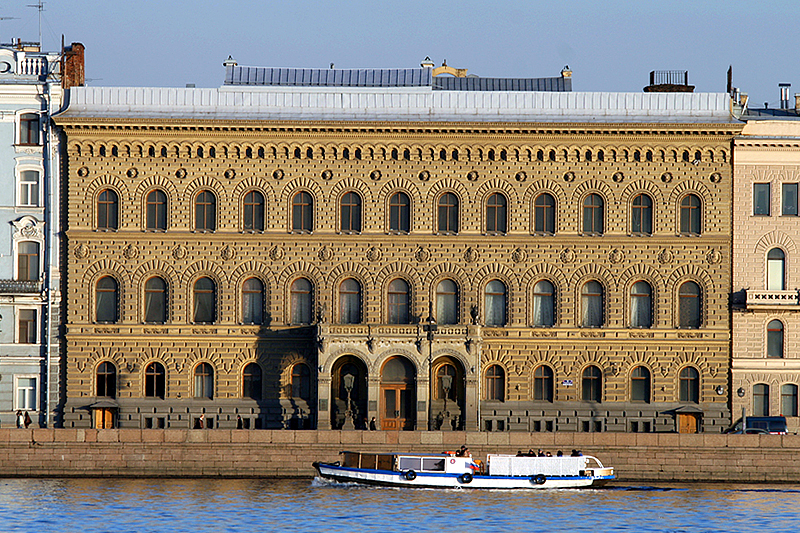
[474,83]
[320,77]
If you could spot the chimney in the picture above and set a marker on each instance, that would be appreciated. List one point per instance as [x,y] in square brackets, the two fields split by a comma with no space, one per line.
[72,68]
[784,87]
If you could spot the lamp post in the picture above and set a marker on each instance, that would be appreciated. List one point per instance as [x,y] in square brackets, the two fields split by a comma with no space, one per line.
[348,379]
[430,328]
[447,383]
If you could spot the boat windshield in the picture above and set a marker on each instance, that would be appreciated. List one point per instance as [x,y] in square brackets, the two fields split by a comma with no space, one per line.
[430,464]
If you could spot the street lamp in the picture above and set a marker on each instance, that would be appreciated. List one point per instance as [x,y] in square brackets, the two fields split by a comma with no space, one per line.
[348,414]
[430,328]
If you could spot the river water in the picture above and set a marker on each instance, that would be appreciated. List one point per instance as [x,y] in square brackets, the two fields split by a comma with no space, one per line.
[199,505]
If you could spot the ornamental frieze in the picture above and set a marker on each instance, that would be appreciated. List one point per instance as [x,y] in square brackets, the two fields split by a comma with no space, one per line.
[130,252]
[179,252]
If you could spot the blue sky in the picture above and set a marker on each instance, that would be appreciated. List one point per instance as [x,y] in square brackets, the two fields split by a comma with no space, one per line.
[610,46]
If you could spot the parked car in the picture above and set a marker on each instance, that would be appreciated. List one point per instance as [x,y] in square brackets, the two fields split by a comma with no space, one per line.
[773,425]
[749,431]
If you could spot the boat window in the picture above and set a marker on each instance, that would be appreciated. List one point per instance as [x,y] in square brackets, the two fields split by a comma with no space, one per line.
[410,463]
[433,463]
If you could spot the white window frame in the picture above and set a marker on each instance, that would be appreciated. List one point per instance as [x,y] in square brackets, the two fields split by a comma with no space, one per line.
[36,310]
[17,378]
[39,172]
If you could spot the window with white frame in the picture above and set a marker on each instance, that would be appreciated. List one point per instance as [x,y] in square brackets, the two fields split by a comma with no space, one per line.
[28,188]
[25,395]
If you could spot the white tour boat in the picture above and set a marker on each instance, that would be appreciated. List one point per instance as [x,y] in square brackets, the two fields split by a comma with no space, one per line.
[448,470]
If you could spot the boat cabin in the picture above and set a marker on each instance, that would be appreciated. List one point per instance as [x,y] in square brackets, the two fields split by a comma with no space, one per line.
[447,463]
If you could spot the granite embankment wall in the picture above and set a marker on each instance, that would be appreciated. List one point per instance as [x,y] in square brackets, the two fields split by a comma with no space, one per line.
[286,453]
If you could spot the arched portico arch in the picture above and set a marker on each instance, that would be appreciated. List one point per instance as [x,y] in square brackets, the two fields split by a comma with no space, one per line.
[342,387]
[398,394]
[448,394]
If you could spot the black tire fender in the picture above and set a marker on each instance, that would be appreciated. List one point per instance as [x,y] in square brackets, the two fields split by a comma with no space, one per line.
[410,475]
[539,479]
[465,478]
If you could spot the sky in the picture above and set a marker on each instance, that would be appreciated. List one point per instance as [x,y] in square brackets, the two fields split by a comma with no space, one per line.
[609,46]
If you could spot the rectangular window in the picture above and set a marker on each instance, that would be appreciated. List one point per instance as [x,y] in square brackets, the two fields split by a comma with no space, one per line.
[27,326]
[26,393]
[29,129]
[761,198]
[789,199]
[29,188]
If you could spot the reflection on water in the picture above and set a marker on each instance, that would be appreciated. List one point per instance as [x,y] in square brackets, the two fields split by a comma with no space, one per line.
[199,505]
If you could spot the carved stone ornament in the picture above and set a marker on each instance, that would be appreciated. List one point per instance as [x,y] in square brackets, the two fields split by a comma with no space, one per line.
[521,176]
[325,254]
[666,177]
[83,172]
[229,174]
[422,254]
[180,173]
[277,253]
[132,172]
[616,256]
[28,227]
[375,175]
[472,175]
[227,253]
[569,177]
[664,370]
[714,256]
[82,251]
[374,253]
[179,252]
[130,252]
[716,177]
[277,174]
[618,177]
[665,256]
[567,255]
[424,175]
[471,255]
[518,255]
[327,174]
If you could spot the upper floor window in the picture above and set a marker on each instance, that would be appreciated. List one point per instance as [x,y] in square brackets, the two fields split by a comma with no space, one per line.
[205,301]
[253,301]
[106,300]
[448,213]
[761,198]
[447,302]
[301,301]
[690,215]
[156,211]
[400,213]
[496,214]
[108,210]
[302,212]
[398,301]
[204,381]
[495,383]
[689,296]
[592,384]
[641,305]
[27,326]
[29,128]
[253,211]
[592,305]
[155,301]
[593,215]
[775,338]
[350,302]
[543,304]
[544,218]
[301,382]
[543,383]
[155,380]
[106,380]
[640,385]
[29,188]
[642,215]
[350,212]
[28,261]
[789,199]
[495,303]
[689,385]
[776,270]
[251,381]
[205,211]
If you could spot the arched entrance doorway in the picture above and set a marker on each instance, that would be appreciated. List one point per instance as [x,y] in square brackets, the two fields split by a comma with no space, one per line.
[448,395]
[349,378]
[398,398]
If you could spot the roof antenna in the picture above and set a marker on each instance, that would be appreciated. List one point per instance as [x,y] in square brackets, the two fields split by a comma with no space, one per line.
[40,7]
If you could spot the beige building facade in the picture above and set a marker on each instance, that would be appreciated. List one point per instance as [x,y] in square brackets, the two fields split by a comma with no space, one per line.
[334,256]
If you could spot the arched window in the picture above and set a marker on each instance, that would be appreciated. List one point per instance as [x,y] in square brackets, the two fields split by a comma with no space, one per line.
[398,301]
[204,381]
[350,213]
[301,382]
[495,303]
[543,304]
[543,384]
[642,215]
[447,302]
[593,215]
[106,380]
[592,315]
[776,270]
[544,217]
[400,213]
[690,215]
[253,301]
[350,302]
[641,305]
[789,400]
[592,384]
[775,338]
[205,301]
[640,385]
[689,385]
[28,261]
[495,383]
[253,211]
[446,370]
[106,300]
[760,399]
[155,380]
[108,210]
[448,213]
[302,212]
[496,214]
[156,211]
[301,301]
[205,211]
[689,305]
[251,381]
[155,301]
